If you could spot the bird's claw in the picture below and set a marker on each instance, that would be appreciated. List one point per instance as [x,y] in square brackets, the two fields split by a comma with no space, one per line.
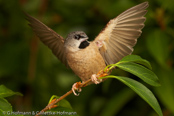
[102,73]
[76,87]
[94,79]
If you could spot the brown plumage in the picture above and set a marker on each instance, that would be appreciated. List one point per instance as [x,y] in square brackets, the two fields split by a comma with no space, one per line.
[85,58]
[86,62]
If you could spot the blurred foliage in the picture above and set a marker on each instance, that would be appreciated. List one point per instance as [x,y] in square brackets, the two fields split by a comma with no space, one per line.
[29,67]
[5,107]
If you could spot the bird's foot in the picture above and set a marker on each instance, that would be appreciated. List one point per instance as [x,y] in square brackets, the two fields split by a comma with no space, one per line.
[94,77]
[76,87]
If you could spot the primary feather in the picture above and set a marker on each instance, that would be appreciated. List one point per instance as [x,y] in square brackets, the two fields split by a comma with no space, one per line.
[49,37]
[121,33]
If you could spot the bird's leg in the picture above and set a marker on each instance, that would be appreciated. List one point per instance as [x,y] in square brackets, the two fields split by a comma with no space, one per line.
[76,87]
[94,77]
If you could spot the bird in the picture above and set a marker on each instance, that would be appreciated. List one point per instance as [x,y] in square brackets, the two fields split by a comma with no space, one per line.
[87,58]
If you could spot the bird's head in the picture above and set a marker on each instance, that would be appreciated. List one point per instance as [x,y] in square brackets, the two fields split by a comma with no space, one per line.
[76,40]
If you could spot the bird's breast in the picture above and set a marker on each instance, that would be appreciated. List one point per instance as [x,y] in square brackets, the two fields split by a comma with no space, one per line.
[86,62]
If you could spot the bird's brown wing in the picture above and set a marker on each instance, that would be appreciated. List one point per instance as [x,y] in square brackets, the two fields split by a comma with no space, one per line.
[120,35]
[49,37]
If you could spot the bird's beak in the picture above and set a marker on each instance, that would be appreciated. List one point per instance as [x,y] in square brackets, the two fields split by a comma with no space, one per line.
[84,38]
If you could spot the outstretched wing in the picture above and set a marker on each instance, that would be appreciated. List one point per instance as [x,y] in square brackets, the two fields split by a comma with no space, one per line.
[120,35]
[49,37]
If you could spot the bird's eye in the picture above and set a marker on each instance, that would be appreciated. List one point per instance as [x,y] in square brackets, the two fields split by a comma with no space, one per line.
[77,37]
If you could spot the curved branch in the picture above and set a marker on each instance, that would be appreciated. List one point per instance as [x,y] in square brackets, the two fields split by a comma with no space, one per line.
[51,105]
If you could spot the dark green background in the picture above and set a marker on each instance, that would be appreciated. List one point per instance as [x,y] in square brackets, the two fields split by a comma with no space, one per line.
[29,67]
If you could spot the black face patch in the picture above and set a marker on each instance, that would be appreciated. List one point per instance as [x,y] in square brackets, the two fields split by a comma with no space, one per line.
[84,44]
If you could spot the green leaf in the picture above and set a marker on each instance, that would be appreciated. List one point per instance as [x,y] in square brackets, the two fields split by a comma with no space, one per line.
[63,103]
[141,90]
[136,59]
[117,102]
[5,105]
[2,113]
[5,92]
[145,74]
[64,108]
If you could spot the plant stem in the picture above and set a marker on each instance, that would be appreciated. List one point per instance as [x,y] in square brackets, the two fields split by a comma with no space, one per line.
[50,106]
[84,84]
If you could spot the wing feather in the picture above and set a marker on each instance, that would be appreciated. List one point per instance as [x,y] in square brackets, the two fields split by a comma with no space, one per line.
[49,37]
[121,33]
